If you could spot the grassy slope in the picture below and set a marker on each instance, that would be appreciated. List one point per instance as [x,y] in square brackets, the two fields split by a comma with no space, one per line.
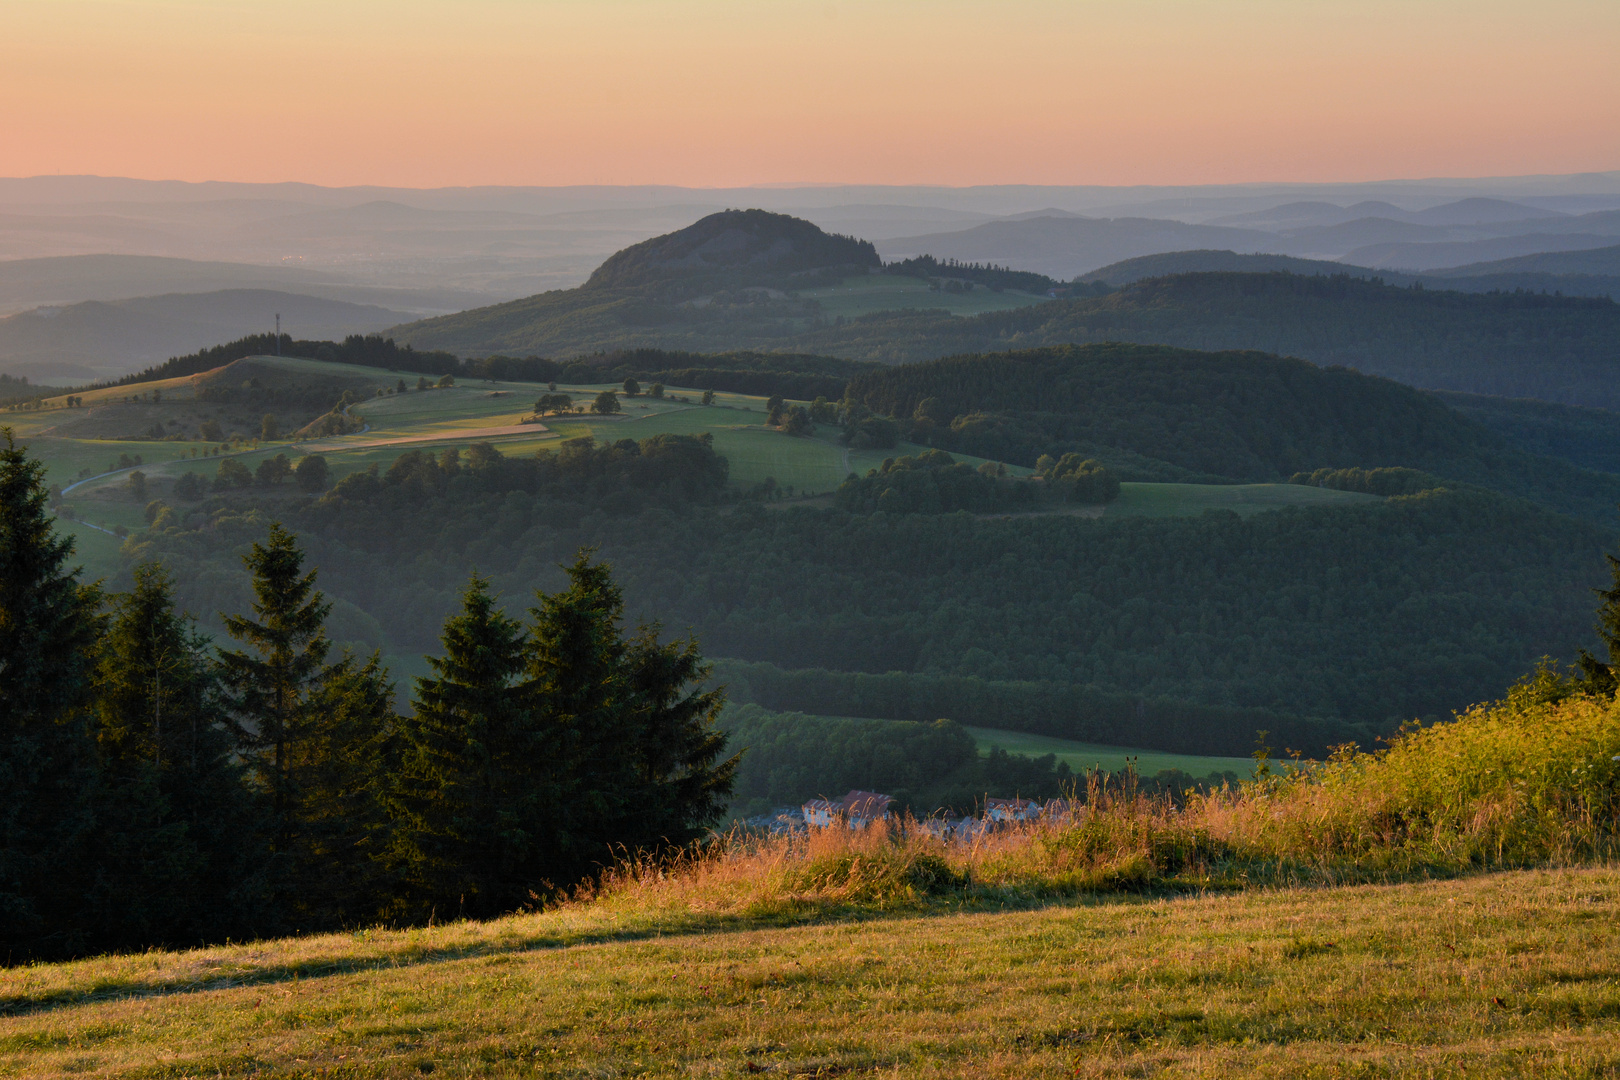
[1082,756]
[1510,974]
[1183,500]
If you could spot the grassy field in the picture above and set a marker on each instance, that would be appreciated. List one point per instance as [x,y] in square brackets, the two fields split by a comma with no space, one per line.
[1185,500]
[459,416]
[886,292]
[1510,974]
[73,447]
[1082,756]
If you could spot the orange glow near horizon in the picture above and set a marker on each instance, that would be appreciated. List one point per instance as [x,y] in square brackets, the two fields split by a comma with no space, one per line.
[710,93]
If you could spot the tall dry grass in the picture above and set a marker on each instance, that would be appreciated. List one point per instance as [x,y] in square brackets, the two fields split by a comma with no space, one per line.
[1531,780]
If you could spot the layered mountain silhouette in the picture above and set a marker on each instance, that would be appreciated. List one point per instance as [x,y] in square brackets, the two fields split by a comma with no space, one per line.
[736,247]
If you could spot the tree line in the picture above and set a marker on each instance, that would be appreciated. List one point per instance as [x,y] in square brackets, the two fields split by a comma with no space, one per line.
[162,791]
[925,767]
[933,482]
[1154,413]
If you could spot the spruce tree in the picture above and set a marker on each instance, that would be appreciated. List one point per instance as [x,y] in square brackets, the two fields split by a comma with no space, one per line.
[48,624]
[634,747]
[579,688]
[473,769]
[48,631]
[683,783]
[318,737]
[535,759]
[175,846]
[340,767]
[1599,677]
[271,686]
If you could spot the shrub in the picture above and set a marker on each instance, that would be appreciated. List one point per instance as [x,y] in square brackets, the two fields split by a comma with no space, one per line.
[311,473]
[232,473]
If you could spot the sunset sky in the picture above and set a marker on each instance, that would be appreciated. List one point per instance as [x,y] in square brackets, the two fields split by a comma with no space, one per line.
[724,92]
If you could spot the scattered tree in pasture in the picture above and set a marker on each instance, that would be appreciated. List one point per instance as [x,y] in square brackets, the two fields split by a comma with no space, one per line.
[311,474]
[190,487]
[137,485]
[1078,479]
[796,421]
[606,403]
[272,471]
[232,473]
[553,403]
[269,428]
[631,388]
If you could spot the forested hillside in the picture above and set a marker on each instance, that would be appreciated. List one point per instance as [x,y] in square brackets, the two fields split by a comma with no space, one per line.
[1440,597]
[681,292]
[1587,437]
[1556,348]
[1157,413]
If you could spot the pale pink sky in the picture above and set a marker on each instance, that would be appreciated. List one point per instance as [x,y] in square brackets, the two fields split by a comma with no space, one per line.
[722,92]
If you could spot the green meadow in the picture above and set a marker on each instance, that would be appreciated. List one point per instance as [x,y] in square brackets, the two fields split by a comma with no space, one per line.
[1082,756]
[858,296]
[490,411]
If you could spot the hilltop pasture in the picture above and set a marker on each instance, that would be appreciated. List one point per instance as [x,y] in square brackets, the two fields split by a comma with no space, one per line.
[1495,976]
[79,444]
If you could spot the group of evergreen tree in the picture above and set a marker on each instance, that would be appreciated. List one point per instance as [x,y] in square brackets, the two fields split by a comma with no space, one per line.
[669,469]
[933,482]
[160,791]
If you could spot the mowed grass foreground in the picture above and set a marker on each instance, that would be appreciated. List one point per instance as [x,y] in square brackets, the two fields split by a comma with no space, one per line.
[1509,974]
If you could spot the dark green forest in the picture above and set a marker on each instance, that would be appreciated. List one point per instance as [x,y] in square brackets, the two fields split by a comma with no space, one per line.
[1159,413]
[1441,598]
[789,757]
[1556,348]
[1587,437]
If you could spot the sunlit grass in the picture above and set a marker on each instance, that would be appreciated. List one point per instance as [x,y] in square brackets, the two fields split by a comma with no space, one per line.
[891,292]
[1500,975]
[1137,937]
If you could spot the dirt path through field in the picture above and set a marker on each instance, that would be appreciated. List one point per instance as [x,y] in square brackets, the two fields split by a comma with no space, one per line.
[438,436]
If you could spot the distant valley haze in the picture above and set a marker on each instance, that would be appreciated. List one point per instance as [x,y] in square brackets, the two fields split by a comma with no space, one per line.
[103,276]
[448,158]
